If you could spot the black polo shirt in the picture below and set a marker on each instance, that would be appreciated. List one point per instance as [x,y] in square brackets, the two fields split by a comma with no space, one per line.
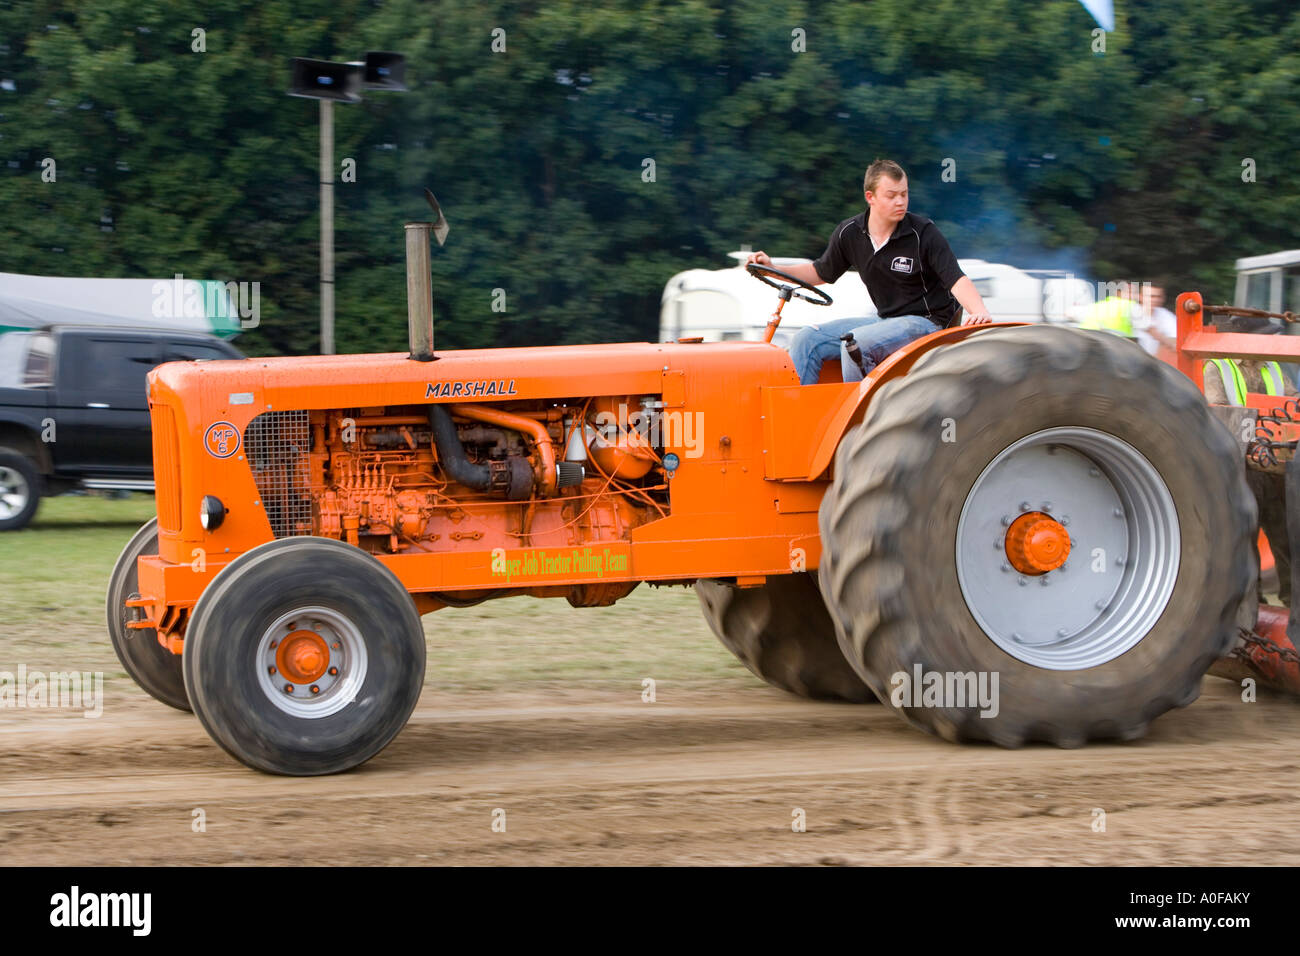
[910,275]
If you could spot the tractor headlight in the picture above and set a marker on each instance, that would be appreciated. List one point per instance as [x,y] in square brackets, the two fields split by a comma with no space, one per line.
[211,513]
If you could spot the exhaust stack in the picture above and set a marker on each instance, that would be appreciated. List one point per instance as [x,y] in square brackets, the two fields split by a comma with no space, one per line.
[419,281]
[419,291]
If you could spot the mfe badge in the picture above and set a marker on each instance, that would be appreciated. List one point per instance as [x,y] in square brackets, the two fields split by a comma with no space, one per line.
[221,439]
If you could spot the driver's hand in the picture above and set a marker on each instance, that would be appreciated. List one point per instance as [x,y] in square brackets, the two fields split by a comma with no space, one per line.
[761,257]
[977,318]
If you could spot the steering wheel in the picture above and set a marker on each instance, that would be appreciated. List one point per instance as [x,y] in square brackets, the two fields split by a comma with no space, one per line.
[799,290]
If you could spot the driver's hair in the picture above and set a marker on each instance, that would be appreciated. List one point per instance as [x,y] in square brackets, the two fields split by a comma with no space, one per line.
[878,168]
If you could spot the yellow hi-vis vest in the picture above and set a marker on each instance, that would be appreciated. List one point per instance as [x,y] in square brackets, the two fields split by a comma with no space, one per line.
[1112,314]
[1234,383]
[1272,373]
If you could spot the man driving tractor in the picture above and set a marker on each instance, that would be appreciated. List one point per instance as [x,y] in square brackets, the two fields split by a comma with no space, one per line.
[909,271]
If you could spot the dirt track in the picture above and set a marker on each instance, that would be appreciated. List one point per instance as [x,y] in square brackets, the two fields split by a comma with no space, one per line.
[601,778]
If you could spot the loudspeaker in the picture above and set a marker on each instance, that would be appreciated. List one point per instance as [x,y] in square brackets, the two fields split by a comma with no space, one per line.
[325,80]
[386,71]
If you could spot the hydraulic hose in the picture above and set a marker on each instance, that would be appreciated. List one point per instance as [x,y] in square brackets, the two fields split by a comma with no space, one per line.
[451,453]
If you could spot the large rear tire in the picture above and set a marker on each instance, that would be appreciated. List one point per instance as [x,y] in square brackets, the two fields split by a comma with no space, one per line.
[782,633]
[304,656]
[154,668]
[1079,426]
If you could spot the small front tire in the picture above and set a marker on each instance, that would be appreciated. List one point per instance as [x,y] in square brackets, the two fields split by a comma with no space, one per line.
[154,668]
[304,656]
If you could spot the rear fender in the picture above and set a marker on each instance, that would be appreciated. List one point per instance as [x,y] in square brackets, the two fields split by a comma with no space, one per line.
[854,406]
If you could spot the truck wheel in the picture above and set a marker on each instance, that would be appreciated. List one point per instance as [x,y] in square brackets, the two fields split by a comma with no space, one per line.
[154,668]
[1045,510]
[782,633]
[20,490]
[304,656]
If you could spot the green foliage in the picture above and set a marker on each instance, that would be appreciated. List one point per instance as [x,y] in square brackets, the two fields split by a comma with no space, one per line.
[1125,163]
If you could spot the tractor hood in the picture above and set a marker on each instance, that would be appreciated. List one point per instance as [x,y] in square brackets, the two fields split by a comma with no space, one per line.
[359,381]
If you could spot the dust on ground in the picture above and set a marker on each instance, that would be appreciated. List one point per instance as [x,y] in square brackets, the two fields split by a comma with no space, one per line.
[700,776]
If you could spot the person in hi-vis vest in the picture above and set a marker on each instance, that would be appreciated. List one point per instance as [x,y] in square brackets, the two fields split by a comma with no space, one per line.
[1115,313]
[1228,380]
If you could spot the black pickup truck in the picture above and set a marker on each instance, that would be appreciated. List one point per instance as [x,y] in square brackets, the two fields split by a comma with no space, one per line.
[74,411]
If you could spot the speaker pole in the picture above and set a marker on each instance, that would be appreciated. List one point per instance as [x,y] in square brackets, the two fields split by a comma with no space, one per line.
[327,81]
[327,227]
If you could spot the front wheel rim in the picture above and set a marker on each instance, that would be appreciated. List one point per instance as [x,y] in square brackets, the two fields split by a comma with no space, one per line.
[1124,549]
[324,669]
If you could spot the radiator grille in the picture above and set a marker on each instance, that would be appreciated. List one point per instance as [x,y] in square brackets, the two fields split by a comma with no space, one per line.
[278,446]
[166,468]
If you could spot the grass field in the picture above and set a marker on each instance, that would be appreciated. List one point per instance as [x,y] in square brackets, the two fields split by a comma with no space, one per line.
[54,573]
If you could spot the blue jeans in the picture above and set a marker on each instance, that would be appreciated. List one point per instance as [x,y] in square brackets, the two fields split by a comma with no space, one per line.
[876,337]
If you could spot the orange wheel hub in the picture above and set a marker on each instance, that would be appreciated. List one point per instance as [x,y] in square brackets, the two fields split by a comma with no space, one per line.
[1037,543]
[302,657]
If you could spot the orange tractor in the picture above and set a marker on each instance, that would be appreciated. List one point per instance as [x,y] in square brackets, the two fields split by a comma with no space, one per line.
[1044,505]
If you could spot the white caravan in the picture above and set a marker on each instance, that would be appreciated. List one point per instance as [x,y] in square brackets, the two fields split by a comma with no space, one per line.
[723,304]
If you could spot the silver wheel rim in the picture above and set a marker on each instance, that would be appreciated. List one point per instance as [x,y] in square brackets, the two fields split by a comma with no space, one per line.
[1124,549]
[14,492]
[346,655]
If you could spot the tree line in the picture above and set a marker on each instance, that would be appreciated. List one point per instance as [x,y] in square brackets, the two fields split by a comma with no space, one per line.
[585,152]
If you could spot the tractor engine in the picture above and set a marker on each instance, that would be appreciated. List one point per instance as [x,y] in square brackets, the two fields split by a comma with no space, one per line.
[424,478]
